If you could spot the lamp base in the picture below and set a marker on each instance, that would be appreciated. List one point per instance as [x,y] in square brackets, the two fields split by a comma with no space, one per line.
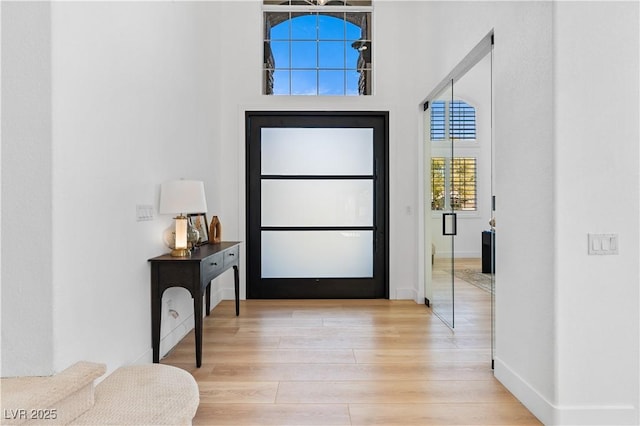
[180,253]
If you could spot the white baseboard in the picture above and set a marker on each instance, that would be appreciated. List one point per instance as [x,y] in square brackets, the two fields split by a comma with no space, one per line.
[174,336]
[406,294]
[223,294]
[553,414]
[597,415]
[534,401]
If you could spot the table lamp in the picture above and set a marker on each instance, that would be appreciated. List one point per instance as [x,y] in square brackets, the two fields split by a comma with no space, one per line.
[181,197]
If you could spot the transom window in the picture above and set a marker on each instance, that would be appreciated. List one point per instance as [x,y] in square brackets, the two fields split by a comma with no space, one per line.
[319,47]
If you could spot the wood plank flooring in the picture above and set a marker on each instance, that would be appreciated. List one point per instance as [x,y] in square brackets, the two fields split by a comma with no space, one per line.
[348,362]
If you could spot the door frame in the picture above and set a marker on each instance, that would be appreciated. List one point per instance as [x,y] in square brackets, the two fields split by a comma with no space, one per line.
[318,287]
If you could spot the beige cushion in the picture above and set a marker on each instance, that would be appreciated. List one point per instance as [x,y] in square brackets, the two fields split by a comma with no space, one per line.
[151,394]
[50,400]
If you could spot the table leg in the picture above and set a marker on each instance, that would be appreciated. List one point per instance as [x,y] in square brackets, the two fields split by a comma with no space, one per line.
[156,311]
[197,312]
[208,298]
[236,278]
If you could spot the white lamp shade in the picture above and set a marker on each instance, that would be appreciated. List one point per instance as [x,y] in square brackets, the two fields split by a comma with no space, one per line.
[182,196]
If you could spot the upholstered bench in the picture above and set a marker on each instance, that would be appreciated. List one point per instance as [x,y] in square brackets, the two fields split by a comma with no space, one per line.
[52,400]
[151,394]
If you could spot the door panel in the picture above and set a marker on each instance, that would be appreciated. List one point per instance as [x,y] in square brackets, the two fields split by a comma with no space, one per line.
[316,151]
[309,202]
[316,205]
[458,177]
[441,142]
[317,254]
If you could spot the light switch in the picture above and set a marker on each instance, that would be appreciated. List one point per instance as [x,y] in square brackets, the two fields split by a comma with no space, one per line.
[144,212]
[603,244]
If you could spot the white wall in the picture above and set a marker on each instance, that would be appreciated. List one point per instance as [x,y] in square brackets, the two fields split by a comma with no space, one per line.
[596,181]
[27,336]
[119,97]
[133,106]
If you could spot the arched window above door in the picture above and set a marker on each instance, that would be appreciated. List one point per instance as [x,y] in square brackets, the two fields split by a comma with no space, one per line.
[319,47]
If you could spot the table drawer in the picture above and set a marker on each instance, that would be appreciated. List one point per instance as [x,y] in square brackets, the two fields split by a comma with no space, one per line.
[231,256]
[212,266]
[169,275]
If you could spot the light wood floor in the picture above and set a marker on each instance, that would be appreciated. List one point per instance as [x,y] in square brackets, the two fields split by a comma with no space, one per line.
[355,362]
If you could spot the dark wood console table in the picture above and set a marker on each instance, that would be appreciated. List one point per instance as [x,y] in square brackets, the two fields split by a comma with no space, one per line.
[195,274]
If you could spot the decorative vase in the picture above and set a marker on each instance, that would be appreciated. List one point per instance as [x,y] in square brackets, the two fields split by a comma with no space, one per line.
[215,230]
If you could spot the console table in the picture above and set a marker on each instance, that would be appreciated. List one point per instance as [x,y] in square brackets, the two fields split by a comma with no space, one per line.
[195,274]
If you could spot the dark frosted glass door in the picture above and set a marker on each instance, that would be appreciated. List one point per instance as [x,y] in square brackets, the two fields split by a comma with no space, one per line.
[316,205]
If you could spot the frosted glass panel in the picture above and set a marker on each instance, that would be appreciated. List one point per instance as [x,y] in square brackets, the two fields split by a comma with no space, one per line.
[317,202]
[317,254]
[316,151]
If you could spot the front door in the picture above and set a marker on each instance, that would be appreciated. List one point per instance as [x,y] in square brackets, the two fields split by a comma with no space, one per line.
[317,204]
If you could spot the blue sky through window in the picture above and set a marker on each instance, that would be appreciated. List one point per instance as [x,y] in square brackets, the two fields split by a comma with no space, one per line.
[313,55]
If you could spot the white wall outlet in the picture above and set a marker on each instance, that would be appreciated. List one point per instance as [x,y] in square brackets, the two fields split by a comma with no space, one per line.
[144,212]
[171,312]
[603,244]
